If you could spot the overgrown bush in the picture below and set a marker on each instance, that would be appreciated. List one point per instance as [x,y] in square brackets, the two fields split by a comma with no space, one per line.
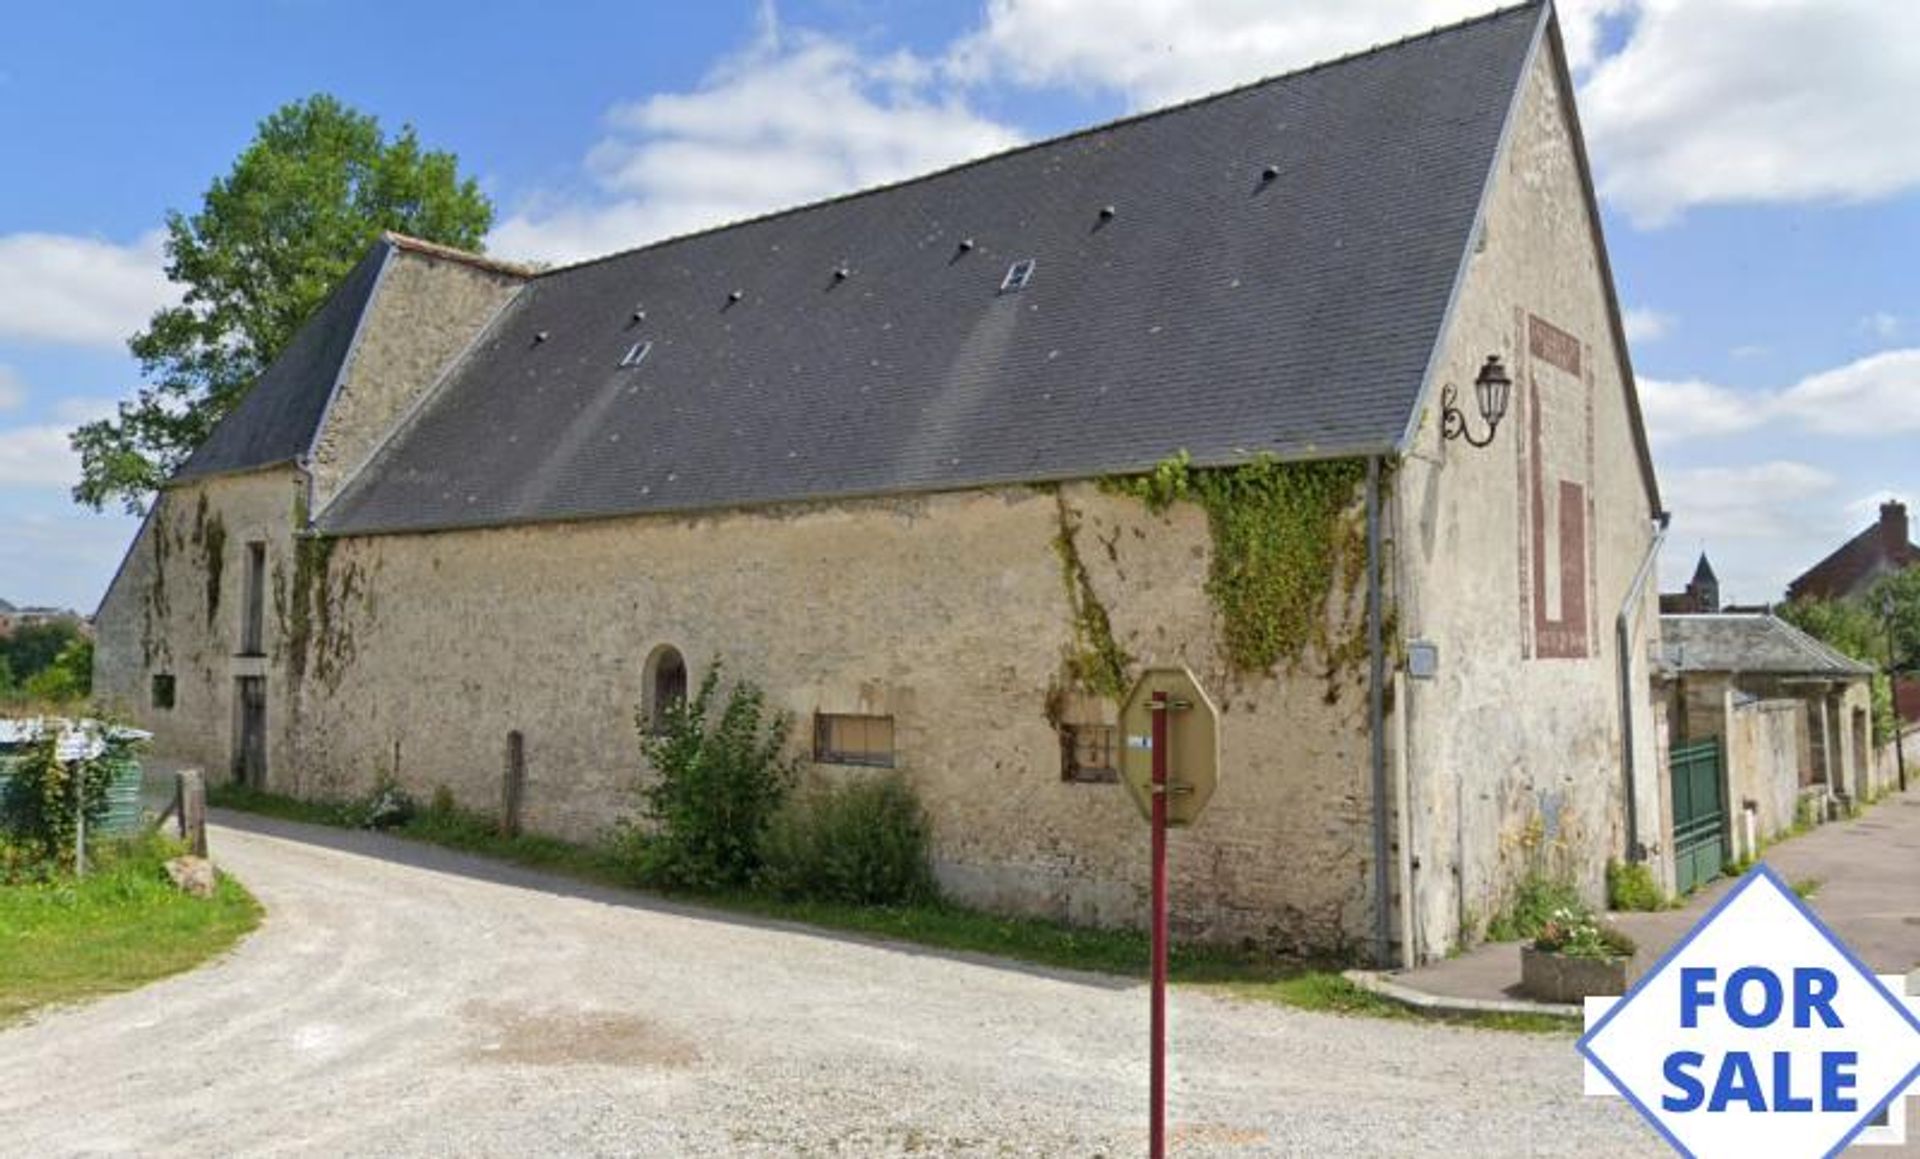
[46,797]
[388,806]
[1535,900]
[719,778]
[863,842]
[1631,888]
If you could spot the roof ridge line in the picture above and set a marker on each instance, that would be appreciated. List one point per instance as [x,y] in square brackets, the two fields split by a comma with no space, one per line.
[1433,33]
[453,253]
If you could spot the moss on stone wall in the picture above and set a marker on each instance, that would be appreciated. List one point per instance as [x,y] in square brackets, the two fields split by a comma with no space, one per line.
[210,536]
[155,651]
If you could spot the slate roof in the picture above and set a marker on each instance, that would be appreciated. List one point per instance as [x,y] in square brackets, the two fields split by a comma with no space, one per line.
[276,420]
[1216,310]
[1759,644]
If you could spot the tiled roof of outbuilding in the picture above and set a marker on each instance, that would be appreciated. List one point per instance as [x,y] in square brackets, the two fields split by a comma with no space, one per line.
[1761,644]
[1274,275]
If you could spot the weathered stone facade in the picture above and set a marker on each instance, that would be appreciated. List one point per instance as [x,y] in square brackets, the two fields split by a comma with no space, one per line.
[414,656]
[1513,751]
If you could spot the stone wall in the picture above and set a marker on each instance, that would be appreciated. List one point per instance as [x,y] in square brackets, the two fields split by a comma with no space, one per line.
[426,311]
[948,613]
[1515,559]
[176,609]
[1765,739]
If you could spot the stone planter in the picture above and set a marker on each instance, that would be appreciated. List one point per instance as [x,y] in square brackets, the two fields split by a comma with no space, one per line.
[1549,977]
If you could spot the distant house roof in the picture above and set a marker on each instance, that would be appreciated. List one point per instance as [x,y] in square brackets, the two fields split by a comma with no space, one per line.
[1703,572]
[1758,644]
[1879,550]
[1265,270]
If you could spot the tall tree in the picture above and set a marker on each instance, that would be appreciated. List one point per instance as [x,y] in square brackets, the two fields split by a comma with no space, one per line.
[300,206]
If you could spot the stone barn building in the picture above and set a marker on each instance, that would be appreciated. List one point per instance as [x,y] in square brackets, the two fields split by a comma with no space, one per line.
[864,452]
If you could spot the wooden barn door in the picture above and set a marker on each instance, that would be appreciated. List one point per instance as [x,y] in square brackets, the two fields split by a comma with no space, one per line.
[250,731]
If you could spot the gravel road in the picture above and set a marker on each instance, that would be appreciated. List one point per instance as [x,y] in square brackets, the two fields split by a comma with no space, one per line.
[405,1000]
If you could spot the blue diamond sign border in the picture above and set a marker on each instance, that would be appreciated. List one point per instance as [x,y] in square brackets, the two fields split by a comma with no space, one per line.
[1759,872]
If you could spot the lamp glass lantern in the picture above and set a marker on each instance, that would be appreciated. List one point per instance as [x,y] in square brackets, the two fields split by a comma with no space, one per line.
[1492,390]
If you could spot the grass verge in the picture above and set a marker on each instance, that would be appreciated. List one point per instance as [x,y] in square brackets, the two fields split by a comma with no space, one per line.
[939,925]
[121,926]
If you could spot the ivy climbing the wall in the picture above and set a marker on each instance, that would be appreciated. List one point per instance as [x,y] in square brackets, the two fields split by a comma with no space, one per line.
[1097,662]
[1285,539]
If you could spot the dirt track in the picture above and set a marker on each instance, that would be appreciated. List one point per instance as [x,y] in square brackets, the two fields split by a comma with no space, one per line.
[400,999]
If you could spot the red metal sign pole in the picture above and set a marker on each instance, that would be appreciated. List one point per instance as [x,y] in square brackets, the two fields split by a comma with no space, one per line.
[1157,1126]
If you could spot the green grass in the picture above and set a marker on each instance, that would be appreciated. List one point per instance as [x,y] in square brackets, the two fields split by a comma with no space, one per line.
[944,926]
[121,926]
[1333,993]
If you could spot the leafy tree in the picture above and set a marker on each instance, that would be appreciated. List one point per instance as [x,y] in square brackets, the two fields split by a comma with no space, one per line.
[33,647]
[275,235]
[1903,588]
[1857,628]
[7,687]
[69,678]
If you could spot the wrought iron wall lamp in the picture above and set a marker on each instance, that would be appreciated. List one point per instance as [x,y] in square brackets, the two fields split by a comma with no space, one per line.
[1490,389]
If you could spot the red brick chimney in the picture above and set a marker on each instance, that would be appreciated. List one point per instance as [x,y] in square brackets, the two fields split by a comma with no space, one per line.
[1893,529]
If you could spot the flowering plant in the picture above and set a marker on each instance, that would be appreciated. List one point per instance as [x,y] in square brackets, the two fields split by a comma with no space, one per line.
[1576,933]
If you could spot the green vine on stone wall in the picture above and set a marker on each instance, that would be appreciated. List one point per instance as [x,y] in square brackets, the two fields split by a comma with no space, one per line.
[1097,662]
[1285,539]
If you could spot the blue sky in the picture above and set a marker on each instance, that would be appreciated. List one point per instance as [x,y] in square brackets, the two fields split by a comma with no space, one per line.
[1759,167]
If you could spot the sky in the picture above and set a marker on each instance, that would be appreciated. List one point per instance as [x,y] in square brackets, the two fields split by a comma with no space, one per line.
[1758,163]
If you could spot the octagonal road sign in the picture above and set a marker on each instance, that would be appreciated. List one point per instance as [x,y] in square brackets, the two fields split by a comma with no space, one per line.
[1193,743]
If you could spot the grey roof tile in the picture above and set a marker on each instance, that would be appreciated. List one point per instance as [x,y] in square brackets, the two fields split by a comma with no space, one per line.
[276,420]
[1215,312]
[1750,643]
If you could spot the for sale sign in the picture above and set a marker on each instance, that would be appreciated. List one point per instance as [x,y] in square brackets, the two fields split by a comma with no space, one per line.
[1760,1033]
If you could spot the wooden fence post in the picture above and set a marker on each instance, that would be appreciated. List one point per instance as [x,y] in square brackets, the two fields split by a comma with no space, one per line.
[513,785]
[190,792]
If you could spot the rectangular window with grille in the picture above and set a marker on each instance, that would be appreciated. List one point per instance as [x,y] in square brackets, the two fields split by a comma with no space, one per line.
[1088,753]
[842,739]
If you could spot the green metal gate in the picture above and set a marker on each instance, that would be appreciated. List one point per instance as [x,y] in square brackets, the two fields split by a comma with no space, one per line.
[1699,814]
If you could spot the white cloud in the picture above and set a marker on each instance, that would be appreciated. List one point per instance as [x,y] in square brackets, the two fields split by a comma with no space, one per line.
[797,117]
[1645,325]
[1735,101]
[1760,522]
[1874,397]
[57,288]
[1695,409]
[1881,325]
[1154,51]
[37,456]
[13,388]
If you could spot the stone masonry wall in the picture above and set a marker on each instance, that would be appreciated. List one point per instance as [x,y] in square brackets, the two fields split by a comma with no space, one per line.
[1514,560]
[948,613]
[176,609]
[427,310]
